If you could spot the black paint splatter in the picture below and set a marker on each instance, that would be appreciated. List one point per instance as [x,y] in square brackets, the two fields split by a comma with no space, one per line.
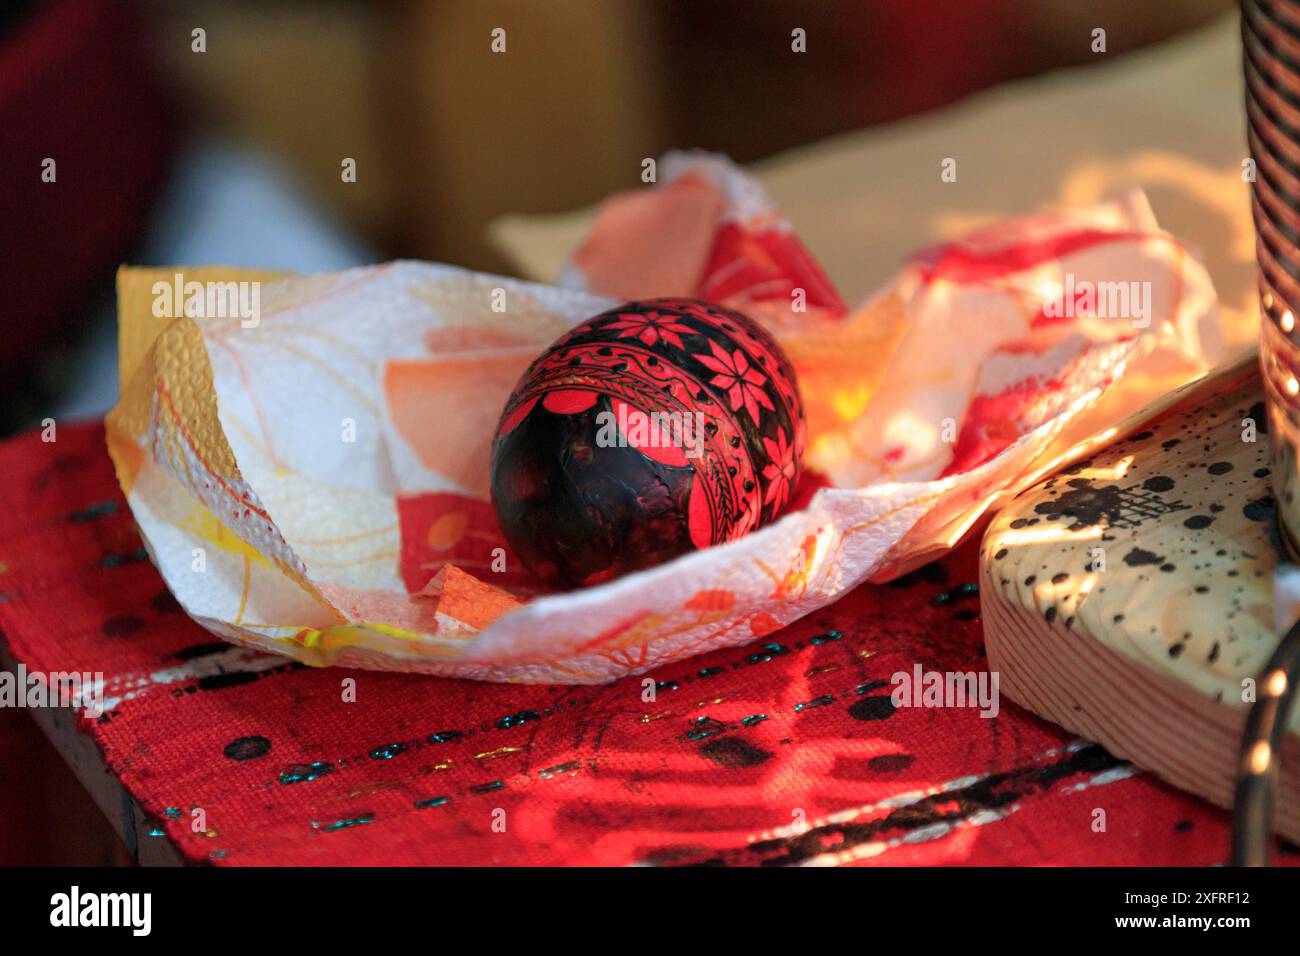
[164,602]
[231,679]
[247,748]
[1261,509]
[872,708]
[1084,503]
[123,625]
[195,651]
[1140,556]
[734,752]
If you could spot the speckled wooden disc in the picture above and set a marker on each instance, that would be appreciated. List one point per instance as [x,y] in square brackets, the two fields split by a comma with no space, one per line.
[1143,645]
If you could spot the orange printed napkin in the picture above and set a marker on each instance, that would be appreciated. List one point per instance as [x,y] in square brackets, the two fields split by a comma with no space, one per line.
[307,456]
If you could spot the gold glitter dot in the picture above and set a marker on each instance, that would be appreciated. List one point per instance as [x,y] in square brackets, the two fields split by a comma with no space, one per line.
[499,752]
[1288,321]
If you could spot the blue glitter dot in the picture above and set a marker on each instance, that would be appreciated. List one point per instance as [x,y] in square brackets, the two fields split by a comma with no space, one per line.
[343,824]
[767,652]
[387,751]
[816,702]
[305,772]
[705,727]
[514,720]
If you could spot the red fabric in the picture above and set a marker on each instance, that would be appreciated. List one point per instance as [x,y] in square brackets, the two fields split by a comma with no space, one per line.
[418,769]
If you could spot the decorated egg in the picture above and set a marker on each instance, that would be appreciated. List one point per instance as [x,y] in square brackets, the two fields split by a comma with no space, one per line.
[655,428]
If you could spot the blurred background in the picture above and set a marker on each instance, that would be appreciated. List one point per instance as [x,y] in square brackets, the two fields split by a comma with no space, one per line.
[226,145]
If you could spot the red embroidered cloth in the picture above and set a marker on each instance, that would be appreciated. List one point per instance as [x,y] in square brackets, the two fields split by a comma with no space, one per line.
[784,751]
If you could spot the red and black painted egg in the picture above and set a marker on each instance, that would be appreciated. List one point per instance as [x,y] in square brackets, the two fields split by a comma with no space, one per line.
[655,428]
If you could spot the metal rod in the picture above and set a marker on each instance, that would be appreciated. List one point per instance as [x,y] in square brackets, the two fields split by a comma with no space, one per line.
[1261,750]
